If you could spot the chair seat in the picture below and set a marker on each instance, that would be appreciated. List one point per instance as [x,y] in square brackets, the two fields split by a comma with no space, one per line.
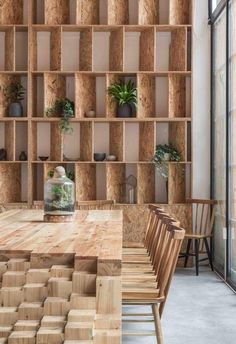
[132,245]
[136,250]
[139,293]
[197,236]
[133,259]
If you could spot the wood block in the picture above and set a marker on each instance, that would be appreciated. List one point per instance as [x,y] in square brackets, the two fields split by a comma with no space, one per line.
[26,325]
[13,279]
[35,292]
[53,321]
[22,337]
[79,330]
[5,331]
[84,283]
[50,336]
[37,276]
[82,302]
[80,315]
[8,315]
[108,299]
[107,321]
[61,271]
[86,265]
[11,297]
[59,287]
[18,264]
[56,306]
[107,337]
[30,311]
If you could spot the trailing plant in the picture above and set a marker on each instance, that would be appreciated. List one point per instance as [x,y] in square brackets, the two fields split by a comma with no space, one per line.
[164,154]
[14,92]
[123,93]
[62,108]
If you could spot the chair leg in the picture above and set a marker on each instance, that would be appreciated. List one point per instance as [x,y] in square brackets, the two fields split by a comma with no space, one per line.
[209,254]
[156,314]
[197,255]
[187,252]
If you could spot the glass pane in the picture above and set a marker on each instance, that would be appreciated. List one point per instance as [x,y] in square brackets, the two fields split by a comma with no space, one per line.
[219,124]
[215,3]
[232,114]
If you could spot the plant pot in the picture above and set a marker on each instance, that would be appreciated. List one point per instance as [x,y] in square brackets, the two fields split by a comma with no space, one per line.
[15,110]
[124,111]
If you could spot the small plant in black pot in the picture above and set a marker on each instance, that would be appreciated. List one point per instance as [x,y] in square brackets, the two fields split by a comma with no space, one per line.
[15,93]
[126,97]
[63,108]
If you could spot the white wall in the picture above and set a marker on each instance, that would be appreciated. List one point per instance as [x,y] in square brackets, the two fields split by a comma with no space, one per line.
[201,100]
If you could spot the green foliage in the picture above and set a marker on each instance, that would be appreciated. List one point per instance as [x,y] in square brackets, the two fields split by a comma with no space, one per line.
[14,92]
[62,196]
[69,174]
[160,161]
[63,108]
[123,93]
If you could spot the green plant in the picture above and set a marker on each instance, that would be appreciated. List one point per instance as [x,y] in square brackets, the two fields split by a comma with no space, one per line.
[123,93]
[62,108]
[69,174]
[14,92]
[164,154]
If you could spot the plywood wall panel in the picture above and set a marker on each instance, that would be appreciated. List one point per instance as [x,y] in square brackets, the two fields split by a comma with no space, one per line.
[179,12]
[10,175]
[56,147]
[146,95]
[86,50]
[176,184]
[147,50]
[85,176]
[177,96]
[85,94]
[87,12]
[116,140]
[148,12]
[115,182]
[111,106]
[178,50]
[116,54]
[5,80]
[146,141]
[146,183]
[86,141]
[11,12]
[118,12]
[54,89]
[10,140]
[56,12]
[55,49]
[10,49]
[178,138]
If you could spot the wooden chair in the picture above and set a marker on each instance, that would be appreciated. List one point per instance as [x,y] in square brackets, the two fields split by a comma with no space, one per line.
[150,286]
[203,214]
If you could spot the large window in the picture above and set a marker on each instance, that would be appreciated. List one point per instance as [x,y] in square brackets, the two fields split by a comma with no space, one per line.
[223,19]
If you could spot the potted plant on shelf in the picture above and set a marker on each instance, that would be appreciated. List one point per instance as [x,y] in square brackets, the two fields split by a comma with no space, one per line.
[14,92]
[63,108]
[126,97]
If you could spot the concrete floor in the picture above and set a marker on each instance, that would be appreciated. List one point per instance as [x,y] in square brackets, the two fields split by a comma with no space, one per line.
[199,310]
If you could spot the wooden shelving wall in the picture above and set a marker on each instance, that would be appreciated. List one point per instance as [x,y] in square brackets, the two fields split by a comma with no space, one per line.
[158,119]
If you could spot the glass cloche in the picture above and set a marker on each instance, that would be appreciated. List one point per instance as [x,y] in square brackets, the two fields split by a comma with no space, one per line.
[59,194]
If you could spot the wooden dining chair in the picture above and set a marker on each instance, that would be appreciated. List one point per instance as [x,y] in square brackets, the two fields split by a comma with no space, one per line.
[151,288]
[203,214]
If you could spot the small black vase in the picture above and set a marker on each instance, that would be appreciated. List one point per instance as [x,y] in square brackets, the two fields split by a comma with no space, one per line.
[124,111]
[3,154]
[23,156]
[15,110]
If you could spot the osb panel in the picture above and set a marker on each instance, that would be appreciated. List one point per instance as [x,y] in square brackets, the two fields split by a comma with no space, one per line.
[86,141]
[146,182]
[111,106]
[33,61]
[54,89]
[146,141]
[5,80]
[55,49]
[116,56]
[118,12]
[33,139]
[178,138]
[116,140]
[11,12]
[115,178]
[85,176]
[176,183]
[135,218]
[10,175]
[177,96]
[147,50]
[10,49]
[85,94]
[146,95]
[56,146]
[10,140]
[148,12]
[56,12]
[178,50]
[86,50]
[179,12]
[87,12]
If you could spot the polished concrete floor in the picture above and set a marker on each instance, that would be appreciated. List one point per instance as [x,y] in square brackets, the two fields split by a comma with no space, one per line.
[199,310]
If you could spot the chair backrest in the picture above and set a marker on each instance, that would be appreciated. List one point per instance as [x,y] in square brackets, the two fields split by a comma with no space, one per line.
[203,214]
[152,225]
[95,205]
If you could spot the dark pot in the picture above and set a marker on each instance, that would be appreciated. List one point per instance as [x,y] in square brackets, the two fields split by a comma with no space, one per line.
[124,111]
[15,110]
[23,156]
[3,154]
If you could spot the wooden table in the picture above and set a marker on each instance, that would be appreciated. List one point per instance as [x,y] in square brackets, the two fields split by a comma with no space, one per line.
[60,281]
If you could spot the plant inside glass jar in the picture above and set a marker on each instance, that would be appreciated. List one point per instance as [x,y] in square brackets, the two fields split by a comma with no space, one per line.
[61,197]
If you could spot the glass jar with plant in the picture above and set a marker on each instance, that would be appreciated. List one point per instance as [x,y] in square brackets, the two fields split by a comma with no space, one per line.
[15,92]
[63,108]
[126,97]
[59,194]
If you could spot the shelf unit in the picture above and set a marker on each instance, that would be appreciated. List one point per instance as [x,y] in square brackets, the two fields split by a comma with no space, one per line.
[76,49]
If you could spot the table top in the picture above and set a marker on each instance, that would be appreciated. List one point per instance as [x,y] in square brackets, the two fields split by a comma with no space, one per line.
[93,234]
